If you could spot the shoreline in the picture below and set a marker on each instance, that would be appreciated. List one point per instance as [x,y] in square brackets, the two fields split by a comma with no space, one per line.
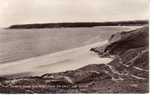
[128,72]
[56,62]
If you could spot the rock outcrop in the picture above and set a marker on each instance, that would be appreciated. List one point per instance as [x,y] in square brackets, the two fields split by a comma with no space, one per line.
[127,73]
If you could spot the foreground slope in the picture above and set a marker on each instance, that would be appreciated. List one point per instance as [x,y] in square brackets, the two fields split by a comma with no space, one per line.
[127,73]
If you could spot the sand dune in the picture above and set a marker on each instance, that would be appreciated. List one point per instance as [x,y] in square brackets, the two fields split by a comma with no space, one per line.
[56,62]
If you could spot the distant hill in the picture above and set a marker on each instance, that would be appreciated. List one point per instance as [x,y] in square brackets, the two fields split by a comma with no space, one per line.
[79,24]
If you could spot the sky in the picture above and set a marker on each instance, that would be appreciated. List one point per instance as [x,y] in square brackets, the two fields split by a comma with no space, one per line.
[47,11]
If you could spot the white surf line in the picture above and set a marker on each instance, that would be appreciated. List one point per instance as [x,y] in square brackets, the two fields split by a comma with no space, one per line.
[73,56]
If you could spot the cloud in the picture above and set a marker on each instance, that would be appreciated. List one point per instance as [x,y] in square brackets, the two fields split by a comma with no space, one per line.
[31,11]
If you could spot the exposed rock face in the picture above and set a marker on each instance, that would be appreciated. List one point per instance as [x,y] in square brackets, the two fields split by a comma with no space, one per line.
[127,73]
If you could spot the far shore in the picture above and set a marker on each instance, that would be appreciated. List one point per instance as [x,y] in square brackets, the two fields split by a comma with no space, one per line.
[78,24]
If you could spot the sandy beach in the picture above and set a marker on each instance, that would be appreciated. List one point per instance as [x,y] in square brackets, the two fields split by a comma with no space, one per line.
[57,62]
[39,51]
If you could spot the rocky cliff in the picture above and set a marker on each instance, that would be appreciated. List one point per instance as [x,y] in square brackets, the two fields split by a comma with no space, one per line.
[127,73]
